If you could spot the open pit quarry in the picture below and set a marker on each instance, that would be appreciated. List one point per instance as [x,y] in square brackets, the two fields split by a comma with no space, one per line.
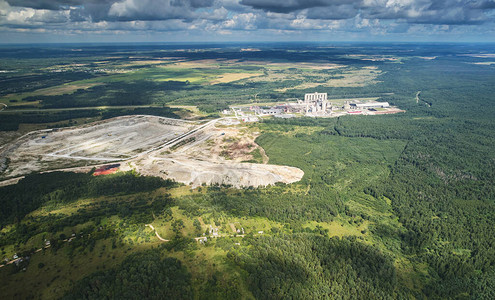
[188,152]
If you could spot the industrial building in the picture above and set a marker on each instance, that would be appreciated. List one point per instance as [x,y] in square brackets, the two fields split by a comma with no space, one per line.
[316,103]
[273,111]
[369,105]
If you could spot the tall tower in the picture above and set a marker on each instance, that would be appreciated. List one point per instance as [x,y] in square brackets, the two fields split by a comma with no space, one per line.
[317,101]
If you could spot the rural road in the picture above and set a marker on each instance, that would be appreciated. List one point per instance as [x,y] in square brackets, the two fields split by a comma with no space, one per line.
[417,99]
[157,235]
[179,138]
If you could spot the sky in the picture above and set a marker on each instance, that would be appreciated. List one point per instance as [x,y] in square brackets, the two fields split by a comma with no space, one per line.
[63,21]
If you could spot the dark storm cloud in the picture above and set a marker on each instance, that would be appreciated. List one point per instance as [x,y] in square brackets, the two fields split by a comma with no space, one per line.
[291,5]
[483,4]
[153,10]
[411,11]
[200,3]
[62,4]
[450,12]
[447,12]
[54,4]
[216,16]
[332,12]
[119,10]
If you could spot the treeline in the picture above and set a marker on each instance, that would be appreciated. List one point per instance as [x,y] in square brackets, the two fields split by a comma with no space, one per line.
[26,83]
[164,111]
[134,211]
[271,203]
[309,266]
[139,92]
[33,191]
[144,275]
[11,121]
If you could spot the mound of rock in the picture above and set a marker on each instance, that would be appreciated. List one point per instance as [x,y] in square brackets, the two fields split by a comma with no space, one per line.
[198,172]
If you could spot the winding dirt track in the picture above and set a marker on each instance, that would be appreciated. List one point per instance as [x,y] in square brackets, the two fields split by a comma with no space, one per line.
[156,233]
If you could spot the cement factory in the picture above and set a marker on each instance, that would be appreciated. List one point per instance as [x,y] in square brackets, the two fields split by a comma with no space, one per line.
[315,105]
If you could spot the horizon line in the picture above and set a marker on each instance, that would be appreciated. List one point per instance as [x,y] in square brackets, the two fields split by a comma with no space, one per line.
[249,42]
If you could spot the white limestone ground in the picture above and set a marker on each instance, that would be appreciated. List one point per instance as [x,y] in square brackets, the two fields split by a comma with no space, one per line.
[198,172]
[105,141]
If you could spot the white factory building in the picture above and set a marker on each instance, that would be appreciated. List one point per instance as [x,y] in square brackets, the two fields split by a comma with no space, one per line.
[316,103]
[370,105]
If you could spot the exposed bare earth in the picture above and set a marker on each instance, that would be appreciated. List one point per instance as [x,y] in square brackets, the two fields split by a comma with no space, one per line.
[64,89]
[216,156]
[7,136]
[112,140]
[187,152]
[198,172]
[232,143]
[230,77]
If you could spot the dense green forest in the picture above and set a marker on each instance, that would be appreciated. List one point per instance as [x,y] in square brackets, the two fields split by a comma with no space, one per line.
[309,266]
[11,121]
[141,276]
[33,191]
[390,207]
[441,185]
[128,93]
